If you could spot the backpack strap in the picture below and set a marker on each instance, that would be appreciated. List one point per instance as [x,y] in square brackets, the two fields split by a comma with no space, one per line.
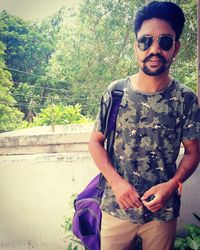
[116,94]
[116,90]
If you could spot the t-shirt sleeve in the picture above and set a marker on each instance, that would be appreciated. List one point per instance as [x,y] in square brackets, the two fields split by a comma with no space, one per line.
[100,121]
[191,118]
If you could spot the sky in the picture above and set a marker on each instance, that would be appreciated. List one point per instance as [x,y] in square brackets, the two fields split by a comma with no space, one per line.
[35,9]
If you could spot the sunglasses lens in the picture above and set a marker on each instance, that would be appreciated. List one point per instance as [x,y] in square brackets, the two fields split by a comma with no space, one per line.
[144,42]
[165,42]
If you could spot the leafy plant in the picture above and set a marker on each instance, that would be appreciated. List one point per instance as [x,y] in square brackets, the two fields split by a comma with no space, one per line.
[191,240]
[60,115]
[10,116]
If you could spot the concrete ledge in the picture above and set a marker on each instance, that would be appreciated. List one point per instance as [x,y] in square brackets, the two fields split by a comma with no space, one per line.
[41,149]
[40,140]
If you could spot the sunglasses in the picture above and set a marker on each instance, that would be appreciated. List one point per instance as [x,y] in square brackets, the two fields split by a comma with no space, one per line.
[165,42]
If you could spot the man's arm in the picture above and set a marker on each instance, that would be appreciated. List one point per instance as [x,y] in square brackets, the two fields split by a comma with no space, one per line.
[189,161]
[125,193]
[187,166]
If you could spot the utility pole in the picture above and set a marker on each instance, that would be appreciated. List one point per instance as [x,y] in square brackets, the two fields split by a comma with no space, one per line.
[198,47]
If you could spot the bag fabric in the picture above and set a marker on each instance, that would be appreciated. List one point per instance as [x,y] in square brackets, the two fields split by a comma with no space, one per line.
[86,223]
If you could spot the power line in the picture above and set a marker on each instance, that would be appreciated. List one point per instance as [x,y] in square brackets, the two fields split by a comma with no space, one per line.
[33,74]
[81,98]
[47,88]
[41,106]
[45,77]
[23,72]
[64,91]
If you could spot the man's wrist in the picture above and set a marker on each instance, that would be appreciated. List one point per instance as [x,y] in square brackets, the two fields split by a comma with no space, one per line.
[180,185]
[114,179]
[177,184]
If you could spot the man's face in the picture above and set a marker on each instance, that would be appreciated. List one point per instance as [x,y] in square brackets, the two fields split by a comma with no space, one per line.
[155,60]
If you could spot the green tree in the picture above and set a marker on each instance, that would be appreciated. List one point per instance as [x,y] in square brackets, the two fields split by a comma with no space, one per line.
[185,67]
[29,98]
[71,56]
[97,48]
[28,48]
[10,117]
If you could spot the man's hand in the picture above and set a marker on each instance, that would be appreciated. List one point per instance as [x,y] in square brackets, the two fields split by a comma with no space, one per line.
[161,193]
[126,195]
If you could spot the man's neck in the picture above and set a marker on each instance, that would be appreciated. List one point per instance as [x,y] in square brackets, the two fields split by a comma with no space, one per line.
[150,84]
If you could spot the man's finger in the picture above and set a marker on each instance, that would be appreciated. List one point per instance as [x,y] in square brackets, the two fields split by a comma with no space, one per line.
[155,209]
[135,200]
[124,204]
[152,205]
[147,194]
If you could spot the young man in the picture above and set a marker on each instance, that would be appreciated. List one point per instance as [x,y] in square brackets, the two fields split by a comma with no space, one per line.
[156,115]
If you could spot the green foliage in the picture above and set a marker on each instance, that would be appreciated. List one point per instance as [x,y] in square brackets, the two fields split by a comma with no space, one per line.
[98,48]
[10,117]
[185,67]
[26,48]
[95,50]
[192,240]
[72,56]
[28,99]
[60,115]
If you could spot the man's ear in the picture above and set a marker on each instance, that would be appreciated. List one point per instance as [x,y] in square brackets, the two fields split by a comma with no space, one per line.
[177,48]
[135,50]
[135,47]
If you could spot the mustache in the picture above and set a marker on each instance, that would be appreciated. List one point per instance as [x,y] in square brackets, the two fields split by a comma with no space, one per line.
[154,55]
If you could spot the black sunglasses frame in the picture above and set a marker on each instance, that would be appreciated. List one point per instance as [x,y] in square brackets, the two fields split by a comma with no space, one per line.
[162,43]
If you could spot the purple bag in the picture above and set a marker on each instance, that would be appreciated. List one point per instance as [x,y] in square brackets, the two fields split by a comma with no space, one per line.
[86,224]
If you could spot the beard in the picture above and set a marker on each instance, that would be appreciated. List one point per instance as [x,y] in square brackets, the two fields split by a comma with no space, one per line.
[157,72]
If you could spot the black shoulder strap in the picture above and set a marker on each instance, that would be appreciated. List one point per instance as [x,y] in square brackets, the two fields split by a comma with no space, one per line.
[117,92]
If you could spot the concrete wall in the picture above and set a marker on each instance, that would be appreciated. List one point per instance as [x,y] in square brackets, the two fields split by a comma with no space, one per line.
[35,188]
[71,138]
[34,194]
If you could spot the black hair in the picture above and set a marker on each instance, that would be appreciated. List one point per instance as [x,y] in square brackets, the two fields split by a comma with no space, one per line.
[167,11]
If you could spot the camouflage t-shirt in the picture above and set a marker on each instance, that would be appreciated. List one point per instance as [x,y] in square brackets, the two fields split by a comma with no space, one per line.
[149,131]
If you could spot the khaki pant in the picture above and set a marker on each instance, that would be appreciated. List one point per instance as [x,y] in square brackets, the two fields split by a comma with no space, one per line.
[117,234]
